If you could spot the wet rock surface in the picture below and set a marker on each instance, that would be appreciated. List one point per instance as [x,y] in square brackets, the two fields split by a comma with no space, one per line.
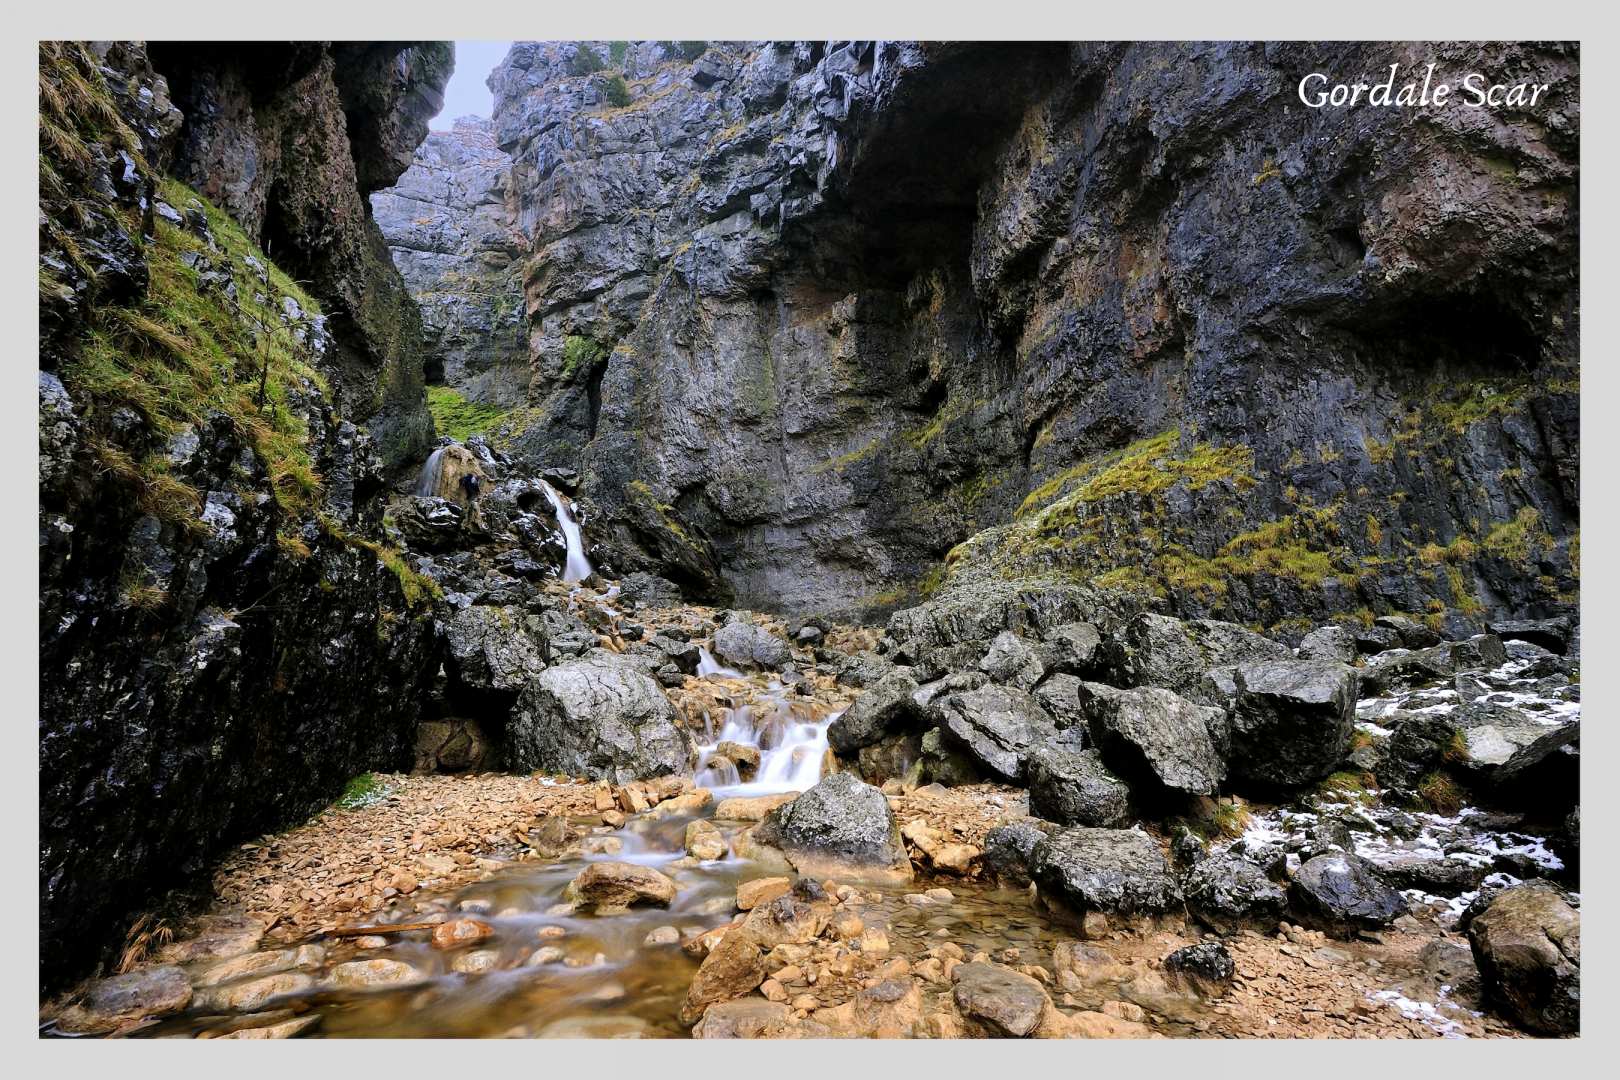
[695,852]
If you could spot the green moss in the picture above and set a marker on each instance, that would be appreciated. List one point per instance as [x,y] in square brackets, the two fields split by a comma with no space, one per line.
[455,416]
[363,790]
[186,352]
[581,354]
[1145,468]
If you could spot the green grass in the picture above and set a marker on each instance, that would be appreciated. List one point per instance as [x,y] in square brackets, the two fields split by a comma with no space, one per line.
[363,790]
[186,352]
[455,416]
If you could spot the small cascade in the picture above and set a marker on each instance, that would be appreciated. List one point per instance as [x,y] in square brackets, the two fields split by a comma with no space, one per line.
[708,665]
[427,482]
[791,740]
[578,567]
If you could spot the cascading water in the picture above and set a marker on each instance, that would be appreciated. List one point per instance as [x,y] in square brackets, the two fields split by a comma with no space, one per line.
[791,740]
[427,482]
[578,567]
[708,665]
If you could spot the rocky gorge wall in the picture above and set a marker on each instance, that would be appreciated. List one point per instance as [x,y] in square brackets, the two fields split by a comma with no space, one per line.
[226,636]
[838,325]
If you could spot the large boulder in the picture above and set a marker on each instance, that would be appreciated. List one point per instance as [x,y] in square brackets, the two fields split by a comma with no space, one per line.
[1072,649]
[839,824]
[1071,786]
[599,717]
[1012,661]
[1229,894]
[1115,872]
[1342,894]
[1157,650]
[496,649]
[1329,643]
[886,706]
[122,999]
[1157,737]
[995,725]
[1501,746]
[1527,944]
[750,645]
[1292,720]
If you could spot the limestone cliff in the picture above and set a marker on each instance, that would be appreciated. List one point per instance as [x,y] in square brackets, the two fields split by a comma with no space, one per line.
[834,325]
[225,635]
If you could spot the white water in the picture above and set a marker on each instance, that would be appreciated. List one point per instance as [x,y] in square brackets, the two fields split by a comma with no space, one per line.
[578,567]
[427,482]
[708,665]
[791,745]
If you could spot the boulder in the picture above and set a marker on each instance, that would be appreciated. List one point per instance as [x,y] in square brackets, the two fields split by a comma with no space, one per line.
[1012,661]
[839,823]
[1527,944]
[891,1009]
[994,725]
[1072,786]
[1081,967]
[1206,969]
[750,645]
[744,1018]
[613,887]
[1008,849]
[1412,634]
[998,1001]
[1059,695]
[1342,894]
[1072,649]
[365,974]
[1157,737]
[751,808]
[1502,745]
[1113,872]
[458,932]
[1229,894]
[1400,669]
[493,649]
[885,706]
[1418,744]
[599,717]
[1292,721]
[1551,634]
[1328,643]
[945,763]
[1157,650]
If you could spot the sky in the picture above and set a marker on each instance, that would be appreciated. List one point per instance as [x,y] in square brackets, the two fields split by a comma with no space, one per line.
[467,95]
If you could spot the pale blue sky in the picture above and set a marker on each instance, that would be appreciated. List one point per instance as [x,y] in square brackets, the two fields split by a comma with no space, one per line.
[467,95]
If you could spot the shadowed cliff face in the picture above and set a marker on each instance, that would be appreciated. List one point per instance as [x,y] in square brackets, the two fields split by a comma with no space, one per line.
[830,326]
[225,635]
[289,139]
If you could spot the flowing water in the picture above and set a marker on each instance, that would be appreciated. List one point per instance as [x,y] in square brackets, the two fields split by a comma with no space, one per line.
[578,567]
[600,978]
[427,481]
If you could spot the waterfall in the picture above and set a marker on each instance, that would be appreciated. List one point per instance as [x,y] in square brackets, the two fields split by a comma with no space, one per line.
[792,742]
[708,665]
[578,567]
[427,482]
